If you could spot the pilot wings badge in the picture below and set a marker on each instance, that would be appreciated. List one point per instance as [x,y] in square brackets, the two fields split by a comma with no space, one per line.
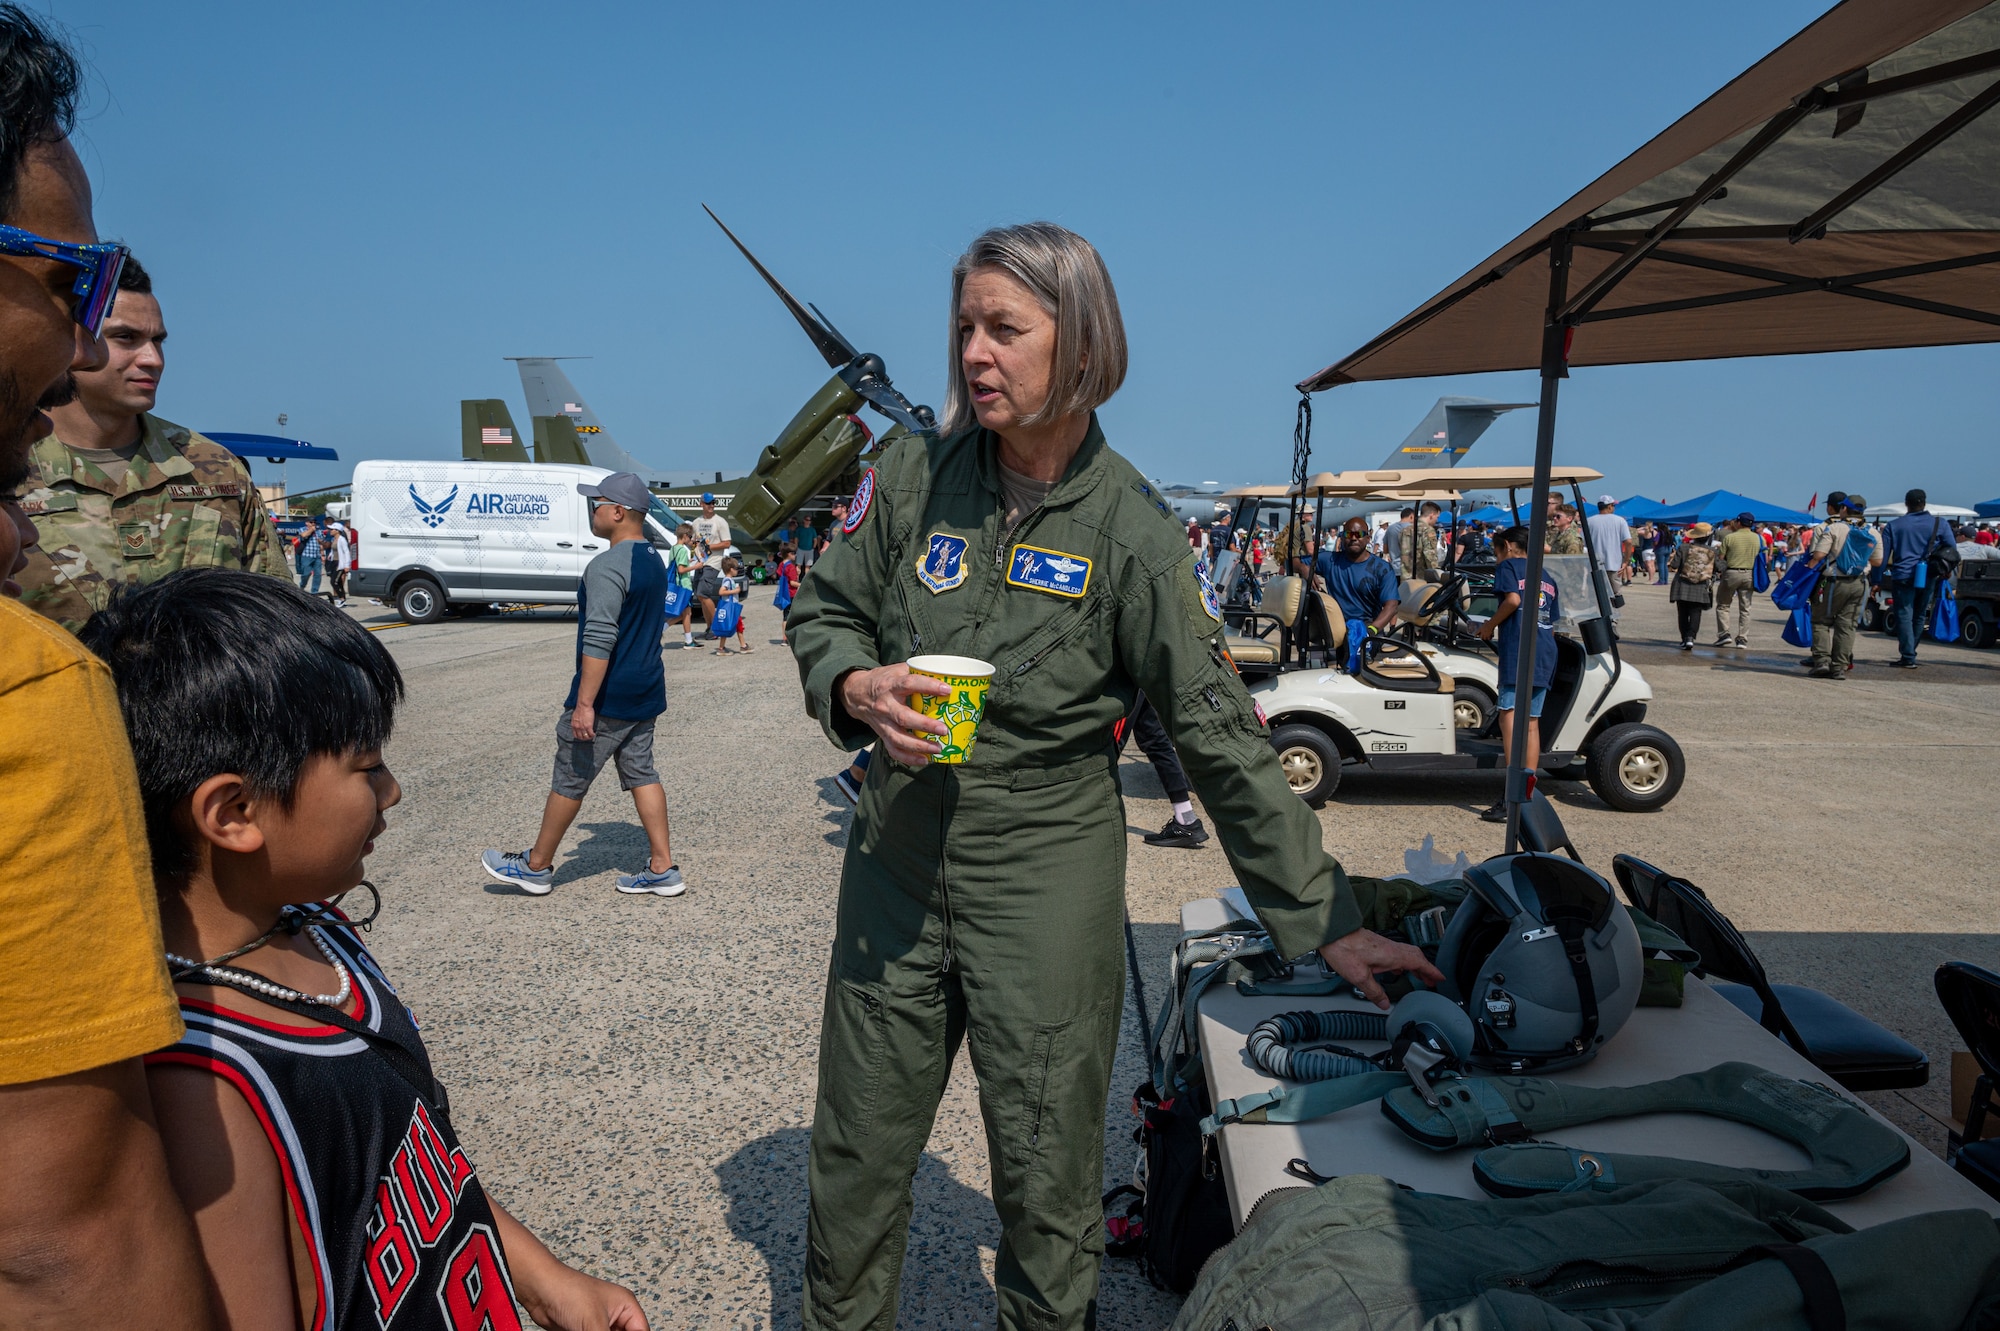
[1053,571]
[432,515]
[942,564]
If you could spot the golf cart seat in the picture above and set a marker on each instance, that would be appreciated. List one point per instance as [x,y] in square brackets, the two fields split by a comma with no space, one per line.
[1268,629]
[1391,663]
[1422,602]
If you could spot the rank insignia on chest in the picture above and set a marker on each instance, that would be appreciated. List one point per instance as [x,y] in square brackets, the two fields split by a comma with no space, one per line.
[1207,587]
[1051,571]
[942,565]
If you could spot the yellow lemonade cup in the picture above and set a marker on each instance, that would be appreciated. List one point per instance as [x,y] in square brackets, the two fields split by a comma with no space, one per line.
[969,679]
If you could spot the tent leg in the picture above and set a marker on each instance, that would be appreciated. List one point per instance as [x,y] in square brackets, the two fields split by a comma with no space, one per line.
[1555,368]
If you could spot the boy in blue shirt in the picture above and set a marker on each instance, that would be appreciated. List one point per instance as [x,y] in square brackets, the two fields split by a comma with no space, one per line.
[1508,580]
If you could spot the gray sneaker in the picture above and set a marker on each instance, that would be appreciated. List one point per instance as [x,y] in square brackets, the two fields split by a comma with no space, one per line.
[512,867]
[666,883]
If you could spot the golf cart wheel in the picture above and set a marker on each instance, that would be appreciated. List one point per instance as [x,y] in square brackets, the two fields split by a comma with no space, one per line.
[1472,709]
[1310,760]
[1636,768]
[1974,628]
[1874,619]
[420,601]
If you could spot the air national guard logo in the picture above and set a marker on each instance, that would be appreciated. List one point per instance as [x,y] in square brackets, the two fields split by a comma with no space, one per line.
[1202,581]
[432,515]
[1051,571]
[942,565]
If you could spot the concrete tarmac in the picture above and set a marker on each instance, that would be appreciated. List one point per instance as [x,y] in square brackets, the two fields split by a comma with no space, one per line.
[634,1077]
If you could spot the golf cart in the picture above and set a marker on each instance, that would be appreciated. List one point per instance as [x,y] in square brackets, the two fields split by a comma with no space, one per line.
[1424,698]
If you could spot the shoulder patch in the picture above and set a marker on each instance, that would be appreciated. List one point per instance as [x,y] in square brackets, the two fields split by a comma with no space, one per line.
[864,498]
[1206,587]
[1054,571]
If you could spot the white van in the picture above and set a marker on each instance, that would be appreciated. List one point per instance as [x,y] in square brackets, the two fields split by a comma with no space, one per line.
[435,534]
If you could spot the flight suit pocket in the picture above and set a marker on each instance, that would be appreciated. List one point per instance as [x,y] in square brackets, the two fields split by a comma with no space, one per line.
[1062,1116]
[204,538]
[853,1044]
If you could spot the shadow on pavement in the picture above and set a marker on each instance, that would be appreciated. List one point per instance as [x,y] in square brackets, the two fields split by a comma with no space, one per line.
[943,1276]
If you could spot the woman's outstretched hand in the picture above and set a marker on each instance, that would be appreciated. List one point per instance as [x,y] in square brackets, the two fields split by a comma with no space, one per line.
[1360,956]
[878,699]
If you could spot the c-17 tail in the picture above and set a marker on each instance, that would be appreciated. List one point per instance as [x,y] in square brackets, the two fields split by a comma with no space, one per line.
[566,429]
[1447,432]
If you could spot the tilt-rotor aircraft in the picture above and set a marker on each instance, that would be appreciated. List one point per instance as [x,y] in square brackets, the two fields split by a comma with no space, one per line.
[1441,439]
[814,458]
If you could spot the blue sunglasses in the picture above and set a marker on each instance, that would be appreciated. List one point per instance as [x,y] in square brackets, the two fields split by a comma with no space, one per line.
[96,285]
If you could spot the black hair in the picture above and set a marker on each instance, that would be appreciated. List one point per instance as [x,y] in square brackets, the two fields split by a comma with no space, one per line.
[134,278]
[39,83]
[1516,536]
[220,670]
[1915,499]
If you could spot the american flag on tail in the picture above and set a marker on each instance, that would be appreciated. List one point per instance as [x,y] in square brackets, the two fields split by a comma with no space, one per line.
[493,437]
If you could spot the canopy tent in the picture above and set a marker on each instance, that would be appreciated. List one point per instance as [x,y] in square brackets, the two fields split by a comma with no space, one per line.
[1949,512]
[1841,194]
[1495,513]
[1640,507]
[272,448]
[1989,509]
[1719,506]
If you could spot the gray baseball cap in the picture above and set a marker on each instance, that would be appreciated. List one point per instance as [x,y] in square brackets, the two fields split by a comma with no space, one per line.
[620,487]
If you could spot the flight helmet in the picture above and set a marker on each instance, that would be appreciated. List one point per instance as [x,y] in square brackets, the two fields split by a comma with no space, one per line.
[1544,960]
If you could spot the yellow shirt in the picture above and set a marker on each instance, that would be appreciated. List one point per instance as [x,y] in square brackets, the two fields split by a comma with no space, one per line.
[82,979]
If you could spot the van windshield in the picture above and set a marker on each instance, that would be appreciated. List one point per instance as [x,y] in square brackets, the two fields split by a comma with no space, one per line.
[661,522]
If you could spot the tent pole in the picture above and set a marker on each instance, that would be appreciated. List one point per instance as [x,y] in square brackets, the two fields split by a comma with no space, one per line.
[1555,368]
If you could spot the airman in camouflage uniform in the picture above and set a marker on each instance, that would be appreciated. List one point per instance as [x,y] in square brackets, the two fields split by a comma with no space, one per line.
[183,501]
[1418,540]
[1565,533]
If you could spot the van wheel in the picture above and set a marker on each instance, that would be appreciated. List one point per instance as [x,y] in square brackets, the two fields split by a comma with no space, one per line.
[1310,760]
[420,601]
[1636,768]
[1472,709]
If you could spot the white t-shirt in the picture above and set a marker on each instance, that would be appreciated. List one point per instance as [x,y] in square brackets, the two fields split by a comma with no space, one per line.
[1608,534]
[715,532]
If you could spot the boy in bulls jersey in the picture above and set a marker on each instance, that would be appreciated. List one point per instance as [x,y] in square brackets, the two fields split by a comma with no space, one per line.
[304,1130]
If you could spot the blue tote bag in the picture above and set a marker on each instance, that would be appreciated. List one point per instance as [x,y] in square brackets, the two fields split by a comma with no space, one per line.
[1760,573]
[677,600]
[727,616]
[1944,619]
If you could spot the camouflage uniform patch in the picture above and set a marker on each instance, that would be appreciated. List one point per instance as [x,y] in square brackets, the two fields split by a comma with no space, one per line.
[185,501]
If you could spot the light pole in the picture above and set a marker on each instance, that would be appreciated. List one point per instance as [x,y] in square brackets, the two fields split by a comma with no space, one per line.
[285,471]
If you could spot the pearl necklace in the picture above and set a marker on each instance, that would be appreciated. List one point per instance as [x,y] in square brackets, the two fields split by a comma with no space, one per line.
[242,979]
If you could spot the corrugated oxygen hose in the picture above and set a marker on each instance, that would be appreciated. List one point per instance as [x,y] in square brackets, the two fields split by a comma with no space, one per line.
[1270,1044]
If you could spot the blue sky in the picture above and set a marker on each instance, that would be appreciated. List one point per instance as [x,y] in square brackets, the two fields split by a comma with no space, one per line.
[352,212]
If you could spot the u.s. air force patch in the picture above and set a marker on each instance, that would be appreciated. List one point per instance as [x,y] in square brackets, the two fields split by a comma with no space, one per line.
[1053,571]
[942,564]
[864,495]
[1201,580]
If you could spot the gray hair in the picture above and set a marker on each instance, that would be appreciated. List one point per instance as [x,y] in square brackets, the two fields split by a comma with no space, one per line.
[1068,278]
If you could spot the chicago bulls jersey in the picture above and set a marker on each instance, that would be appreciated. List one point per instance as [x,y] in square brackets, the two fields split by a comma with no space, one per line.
[400,1234]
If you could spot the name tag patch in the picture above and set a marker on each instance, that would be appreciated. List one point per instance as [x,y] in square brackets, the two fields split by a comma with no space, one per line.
[1053,571]
[942,564]
[227,490]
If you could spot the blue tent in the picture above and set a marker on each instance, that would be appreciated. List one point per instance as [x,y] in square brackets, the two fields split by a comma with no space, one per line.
[272,448]
[1641,508]
[1989,509]
[1719,506]
[1495,513]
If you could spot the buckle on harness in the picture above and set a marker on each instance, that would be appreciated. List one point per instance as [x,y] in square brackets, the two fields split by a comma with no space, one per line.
[1240,1109]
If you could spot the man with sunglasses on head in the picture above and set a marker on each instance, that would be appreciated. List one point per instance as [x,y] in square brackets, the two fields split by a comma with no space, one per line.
[91,1232]
[122,497]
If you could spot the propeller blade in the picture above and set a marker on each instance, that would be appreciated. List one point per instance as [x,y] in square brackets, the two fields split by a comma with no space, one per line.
[837,350]
[882,395]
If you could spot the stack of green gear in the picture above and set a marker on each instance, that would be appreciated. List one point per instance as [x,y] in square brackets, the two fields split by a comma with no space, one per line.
[1360,1252]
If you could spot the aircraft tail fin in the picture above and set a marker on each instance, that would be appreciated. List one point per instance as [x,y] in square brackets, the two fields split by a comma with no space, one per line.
[1446,434]
[556,440]
[486,432]
[551,394]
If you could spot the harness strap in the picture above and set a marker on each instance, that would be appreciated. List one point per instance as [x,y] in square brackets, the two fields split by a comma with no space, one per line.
[1302,1104]
[1575,946]
[1817,1287]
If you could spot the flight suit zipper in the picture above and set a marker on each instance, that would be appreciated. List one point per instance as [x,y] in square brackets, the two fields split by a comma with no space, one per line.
[943,887]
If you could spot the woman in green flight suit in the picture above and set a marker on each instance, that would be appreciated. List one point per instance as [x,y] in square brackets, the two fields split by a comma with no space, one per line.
[985,901]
